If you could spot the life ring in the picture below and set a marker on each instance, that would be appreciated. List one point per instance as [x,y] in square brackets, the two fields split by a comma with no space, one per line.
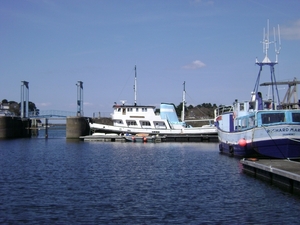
[252,159]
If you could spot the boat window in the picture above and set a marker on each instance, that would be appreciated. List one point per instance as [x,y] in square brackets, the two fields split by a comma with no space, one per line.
[119,109]
[296,117]
[238,124]
[144,109]
[129,109]
[245,122]
[268,118]
[131,123]
[136,109]
[242,123]
[251,105]
[242,108]
[146,123]
[251,121]
[159,125]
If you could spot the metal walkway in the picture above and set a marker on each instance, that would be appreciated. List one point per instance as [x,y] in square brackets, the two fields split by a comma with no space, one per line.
[51,114]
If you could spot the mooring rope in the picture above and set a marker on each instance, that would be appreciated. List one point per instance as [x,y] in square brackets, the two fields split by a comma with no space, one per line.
[292,139]
[273,140]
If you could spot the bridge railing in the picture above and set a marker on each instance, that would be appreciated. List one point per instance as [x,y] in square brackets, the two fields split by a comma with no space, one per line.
[51,113]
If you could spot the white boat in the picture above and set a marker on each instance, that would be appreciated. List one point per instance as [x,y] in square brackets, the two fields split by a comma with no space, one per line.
[261,128]
[136,119]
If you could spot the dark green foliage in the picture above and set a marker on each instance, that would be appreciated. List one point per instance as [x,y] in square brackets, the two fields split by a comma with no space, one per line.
[15,107]
[204,111]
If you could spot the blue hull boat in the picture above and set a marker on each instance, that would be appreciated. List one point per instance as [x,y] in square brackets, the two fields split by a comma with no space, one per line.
[262,128]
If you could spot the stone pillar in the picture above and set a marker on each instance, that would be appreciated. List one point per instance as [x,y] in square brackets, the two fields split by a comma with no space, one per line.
[76,127]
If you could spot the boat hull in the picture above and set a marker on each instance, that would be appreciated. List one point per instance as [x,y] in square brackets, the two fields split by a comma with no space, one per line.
[207,130]
[280,141]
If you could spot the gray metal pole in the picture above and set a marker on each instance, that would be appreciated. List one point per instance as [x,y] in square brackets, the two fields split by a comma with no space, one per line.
[79,98]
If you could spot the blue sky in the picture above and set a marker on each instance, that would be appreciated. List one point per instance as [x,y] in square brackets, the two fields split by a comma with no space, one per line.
[209,44]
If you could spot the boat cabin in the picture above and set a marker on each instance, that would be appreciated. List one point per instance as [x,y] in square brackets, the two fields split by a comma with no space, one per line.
[138,116]
[255,113]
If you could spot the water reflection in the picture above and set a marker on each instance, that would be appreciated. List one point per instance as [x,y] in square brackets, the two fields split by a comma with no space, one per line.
[66,182]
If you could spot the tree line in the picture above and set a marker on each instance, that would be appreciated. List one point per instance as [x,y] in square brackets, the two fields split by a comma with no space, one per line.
[15,108]
[201,111]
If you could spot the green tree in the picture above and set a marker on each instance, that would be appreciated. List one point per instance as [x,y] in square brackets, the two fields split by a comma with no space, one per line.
[31,108]
[14,108]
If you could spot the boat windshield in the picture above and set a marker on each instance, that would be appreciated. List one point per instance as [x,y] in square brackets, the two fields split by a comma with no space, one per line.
[296,117]
[275,117]
[268,118]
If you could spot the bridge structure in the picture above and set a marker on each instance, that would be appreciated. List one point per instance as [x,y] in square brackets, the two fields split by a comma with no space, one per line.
[51,114]
[46,114]
[12,126]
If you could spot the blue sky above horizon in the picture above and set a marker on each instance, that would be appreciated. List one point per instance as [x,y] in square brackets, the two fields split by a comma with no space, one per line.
[210,44]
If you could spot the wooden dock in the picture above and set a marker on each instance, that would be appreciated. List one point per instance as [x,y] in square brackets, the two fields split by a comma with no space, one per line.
[191,138]
[104,138]
[119,138]
[282,173]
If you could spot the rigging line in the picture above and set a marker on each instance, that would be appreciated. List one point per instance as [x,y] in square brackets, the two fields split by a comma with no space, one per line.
[255,89]
[125,84]
[273,141]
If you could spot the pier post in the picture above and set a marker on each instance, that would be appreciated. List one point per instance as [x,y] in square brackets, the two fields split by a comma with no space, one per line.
[77,127]
[46,128]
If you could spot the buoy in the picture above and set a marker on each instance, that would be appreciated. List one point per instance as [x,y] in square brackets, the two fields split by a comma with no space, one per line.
[242,142]
[133,139]
[252,159]
[144,139]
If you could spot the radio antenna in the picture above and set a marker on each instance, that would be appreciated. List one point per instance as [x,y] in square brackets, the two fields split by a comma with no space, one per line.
[267,62]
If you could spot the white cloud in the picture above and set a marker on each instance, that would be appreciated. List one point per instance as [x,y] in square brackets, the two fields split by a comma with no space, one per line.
[194,65]
[203,2]
[88,104]
[292,32]
[43,104]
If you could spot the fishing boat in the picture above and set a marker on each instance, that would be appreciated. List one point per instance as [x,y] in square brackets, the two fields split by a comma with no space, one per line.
[136,119]
[261,128]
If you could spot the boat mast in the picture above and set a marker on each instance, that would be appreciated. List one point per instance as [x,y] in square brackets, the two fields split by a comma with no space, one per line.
[267,62]
[183,102]
[134,87]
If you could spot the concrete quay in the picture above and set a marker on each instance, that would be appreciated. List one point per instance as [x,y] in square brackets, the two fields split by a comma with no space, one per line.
[282,173]
[14,127]
[76,127]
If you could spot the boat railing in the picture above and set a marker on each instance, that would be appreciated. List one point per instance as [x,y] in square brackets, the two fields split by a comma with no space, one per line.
[223,109]
[102,114]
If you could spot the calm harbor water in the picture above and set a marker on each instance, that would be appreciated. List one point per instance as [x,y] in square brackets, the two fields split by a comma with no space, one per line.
[56,181]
